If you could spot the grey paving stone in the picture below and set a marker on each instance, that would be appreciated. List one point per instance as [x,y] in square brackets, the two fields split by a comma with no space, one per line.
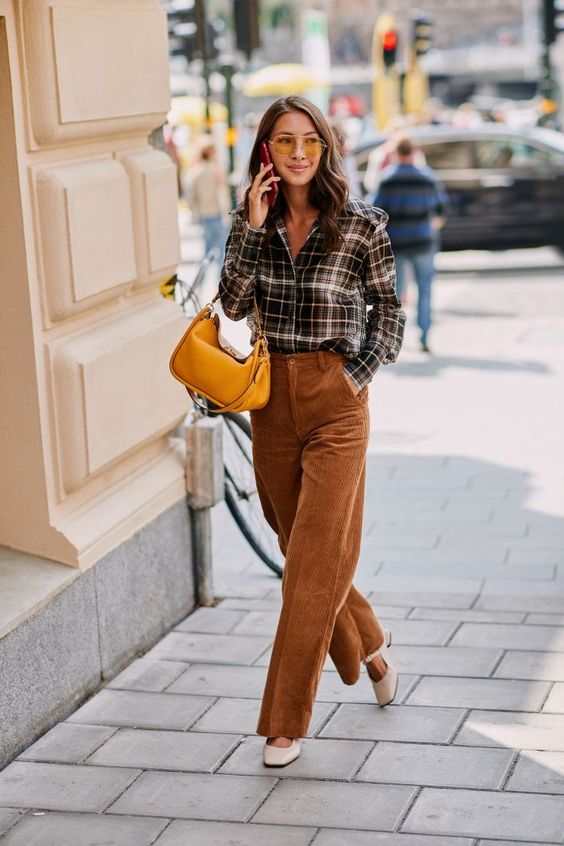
[424,584]
[470,616]
[67,743]
[335,804]
[555,702]
[437,766]
[421,632]
[475,813]
[496,842]
[413,482]
[476,569]
[84,830]
[258,623]
[391,612]
[208,648]
[202,796]
[520,602]
[141,710]
[496,528]
[538,555]
[256,587]
[435,517]
[216,620]
[444,660]
[545,619]
[214,680]
[413,724]
[538,772]
[8,818]
[62,787]
[513,730]
[240,716]
[491,496]
[507,636]
[539,586]
[405,538]
[497,694]
[540,541]
[446,555]
[187,832]
[333,837]
[428,599]
[332,689]
[252,604]
[148,675]
[339,759]
[548,666]
[164,750]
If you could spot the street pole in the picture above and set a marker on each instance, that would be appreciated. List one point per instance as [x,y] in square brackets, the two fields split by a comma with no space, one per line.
[231,136]
[415,89]
[207,93]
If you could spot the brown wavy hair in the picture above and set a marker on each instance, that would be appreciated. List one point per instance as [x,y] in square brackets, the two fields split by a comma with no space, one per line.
[329,189]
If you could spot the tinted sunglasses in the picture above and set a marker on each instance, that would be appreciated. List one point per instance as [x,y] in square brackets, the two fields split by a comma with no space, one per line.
[285,145]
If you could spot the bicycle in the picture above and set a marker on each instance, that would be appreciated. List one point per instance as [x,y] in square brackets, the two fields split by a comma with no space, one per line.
[241,496]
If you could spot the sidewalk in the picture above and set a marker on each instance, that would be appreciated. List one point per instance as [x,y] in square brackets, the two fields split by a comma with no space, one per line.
[463,559]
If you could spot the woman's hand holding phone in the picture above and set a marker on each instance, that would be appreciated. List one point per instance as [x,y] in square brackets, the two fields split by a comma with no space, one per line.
[259,201]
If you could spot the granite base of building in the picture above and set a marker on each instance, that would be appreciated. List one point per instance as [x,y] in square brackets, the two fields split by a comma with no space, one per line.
[85,634]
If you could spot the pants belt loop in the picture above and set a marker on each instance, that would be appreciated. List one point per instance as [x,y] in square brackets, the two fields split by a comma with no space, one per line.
[321,359]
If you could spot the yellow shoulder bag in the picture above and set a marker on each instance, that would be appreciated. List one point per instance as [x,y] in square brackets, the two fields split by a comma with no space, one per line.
[208,365]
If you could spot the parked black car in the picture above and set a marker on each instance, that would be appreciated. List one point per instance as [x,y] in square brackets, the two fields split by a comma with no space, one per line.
[506,187]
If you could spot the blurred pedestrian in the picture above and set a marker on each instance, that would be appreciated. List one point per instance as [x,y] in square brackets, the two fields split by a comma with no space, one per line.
[416,203]
[384,154]
[208,198]
[312,261]
[349,163]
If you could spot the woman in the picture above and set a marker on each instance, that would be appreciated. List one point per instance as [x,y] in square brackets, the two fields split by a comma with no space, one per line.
[314,261]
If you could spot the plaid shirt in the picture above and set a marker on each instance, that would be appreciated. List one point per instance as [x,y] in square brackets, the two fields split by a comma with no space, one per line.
[318,300]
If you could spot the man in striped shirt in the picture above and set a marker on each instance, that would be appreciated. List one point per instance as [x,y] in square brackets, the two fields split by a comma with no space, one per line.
[416,203]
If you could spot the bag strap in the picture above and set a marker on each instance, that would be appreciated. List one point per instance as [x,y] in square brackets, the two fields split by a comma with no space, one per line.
[256,310]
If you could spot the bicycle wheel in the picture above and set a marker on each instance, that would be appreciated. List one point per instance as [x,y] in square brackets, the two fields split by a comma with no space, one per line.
[241,492]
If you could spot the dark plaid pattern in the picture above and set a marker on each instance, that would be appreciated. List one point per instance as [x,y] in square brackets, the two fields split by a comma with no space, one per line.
[319,300]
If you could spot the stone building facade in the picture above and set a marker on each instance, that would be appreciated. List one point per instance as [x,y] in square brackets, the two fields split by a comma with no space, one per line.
[95,556]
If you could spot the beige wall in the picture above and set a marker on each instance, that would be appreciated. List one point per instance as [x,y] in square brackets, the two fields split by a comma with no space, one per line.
[88,227]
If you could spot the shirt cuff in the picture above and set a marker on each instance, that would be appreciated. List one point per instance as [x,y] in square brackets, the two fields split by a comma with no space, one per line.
[247,253]
[358,374]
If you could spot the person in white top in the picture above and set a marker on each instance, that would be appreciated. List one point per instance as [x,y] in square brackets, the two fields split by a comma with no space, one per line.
[208,198]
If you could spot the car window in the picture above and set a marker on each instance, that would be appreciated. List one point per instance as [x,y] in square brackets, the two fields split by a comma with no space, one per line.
[503,152]
[448,155]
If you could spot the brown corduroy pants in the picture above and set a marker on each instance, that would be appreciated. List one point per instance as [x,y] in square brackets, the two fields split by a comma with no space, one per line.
[309,450]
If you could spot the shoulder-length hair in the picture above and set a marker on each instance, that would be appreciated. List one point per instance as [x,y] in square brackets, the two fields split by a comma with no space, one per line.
[329,190]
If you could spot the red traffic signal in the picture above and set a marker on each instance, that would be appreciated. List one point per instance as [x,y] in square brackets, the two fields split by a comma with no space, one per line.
[389,47]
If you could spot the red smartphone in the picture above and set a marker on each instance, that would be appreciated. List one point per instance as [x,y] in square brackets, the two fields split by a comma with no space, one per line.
[265,159]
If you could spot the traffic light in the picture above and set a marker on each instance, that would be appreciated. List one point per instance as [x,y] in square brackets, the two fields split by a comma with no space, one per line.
[190,34]
[553,19]
[422,35]
[247,33]
[389,47]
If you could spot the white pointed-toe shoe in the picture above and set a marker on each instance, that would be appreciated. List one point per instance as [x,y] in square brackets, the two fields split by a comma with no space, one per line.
[279,756]
[386,687]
